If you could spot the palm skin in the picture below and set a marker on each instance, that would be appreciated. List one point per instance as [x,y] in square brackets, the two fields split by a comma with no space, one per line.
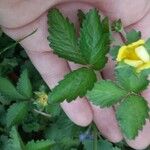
[20,17]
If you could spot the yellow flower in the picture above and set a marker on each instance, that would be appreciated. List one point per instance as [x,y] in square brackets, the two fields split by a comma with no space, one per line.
[135,55]
[42,98]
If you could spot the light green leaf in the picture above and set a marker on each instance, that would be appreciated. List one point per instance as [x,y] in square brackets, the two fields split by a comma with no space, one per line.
[63,38]
[133,36]
[128,78]
[114,51]
[94,39]
[8,90]
[147,45]
[131,115]
[16,113]
[40,145]
[73,85]
[117,25]
[24,86]
[15,142]
[106,93]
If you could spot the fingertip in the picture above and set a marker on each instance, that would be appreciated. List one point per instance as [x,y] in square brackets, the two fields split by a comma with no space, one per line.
[79,111]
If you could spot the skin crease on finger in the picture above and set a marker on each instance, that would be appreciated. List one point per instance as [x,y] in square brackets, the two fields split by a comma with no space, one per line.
[143,139]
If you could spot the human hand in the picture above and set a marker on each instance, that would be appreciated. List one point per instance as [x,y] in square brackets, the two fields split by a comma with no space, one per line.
[26,16]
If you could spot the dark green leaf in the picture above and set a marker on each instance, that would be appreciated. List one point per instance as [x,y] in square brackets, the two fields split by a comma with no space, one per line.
[128,78]
[73,85]
[7,89]
[94,39]
[106,93]
[63,38]
[24,86]
[16,113]
[81,16]
[40,145]
[131,115]
[133,36]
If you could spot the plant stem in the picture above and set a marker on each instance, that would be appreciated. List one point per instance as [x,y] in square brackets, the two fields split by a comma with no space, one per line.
[14,44]
[42,113]
[123,35]
[95,138]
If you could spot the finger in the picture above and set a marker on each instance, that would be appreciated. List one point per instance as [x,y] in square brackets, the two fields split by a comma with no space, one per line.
[51,68]
[106,122]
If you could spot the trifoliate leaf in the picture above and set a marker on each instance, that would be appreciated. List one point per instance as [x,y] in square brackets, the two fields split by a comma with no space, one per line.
[8,90]
[24,86]
[133,36]
[73,85]
[128,78]
[63,38]
[131,115]
[15,142]
[94,39]
[147,45]
[16,113]
[114,51]
[39,145]
[81,16]
[106,93]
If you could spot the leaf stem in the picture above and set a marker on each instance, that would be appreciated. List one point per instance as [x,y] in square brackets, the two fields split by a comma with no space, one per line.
[95,138]
[14,44]
[42,113]
[123,35]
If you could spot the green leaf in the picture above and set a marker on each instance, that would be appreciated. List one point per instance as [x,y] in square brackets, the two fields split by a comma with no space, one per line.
[133,36]
[101,145]
[39,145]
[63,38]
[7,89]
[147,45]
[16,113]
[131,115]
[94,39]
[106,93]
[114,51]
[128,78]
[15,142]
[73,85]
[117,25]
[81,16]
[24,86]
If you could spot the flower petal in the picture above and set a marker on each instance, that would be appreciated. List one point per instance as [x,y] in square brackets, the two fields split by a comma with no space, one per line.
[144,66]
[142,53]
[134,63]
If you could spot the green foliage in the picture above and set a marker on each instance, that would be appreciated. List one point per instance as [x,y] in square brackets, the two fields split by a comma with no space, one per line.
[101,145]
[16,113]
[147,45]
[7,89]
[94,39]
[15,142]
[131,115]
[24,85]
[127,77]
[133,36]
[117,26]
[39,145]
[63,38]
[106,93]
[73,85]
[81,16]
[114,51]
